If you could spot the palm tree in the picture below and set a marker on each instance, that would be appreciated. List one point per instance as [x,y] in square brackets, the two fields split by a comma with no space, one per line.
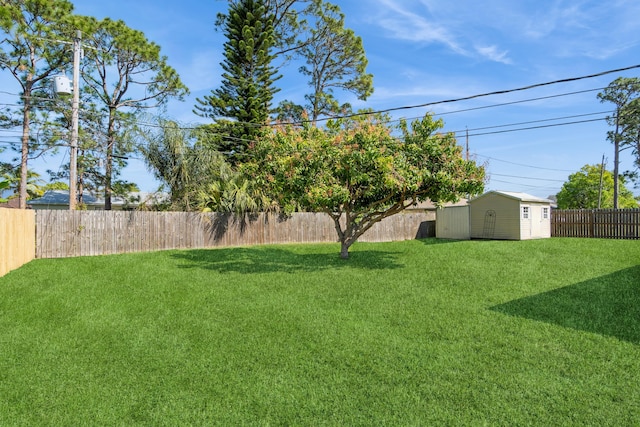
[34,183]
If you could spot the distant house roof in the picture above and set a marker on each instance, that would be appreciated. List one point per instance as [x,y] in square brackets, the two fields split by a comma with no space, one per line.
[523,197]
[60,198]
[11,204]
[429,205]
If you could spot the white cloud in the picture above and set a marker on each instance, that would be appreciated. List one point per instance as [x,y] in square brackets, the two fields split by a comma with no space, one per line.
[596,30]
[494,54]
[407,25]
[449,25]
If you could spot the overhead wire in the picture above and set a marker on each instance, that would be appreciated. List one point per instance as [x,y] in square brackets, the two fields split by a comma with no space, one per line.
[526,185]
[480,95]
[459,99]
[527,177]
[539,127]
[530,122]
[524,165]
[446,101]
[502,104]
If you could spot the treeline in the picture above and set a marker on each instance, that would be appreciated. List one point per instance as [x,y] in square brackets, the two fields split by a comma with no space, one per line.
[252,156]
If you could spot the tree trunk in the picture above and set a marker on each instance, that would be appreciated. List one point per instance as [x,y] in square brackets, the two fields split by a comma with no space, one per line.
[111,139]
[107,177]
[26,113]
[22,196]
[81,180]
[344,250]
[616,161]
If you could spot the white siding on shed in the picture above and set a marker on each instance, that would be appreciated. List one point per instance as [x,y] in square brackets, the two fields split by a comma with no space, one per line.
[495,217]
[501,215]
[453,223]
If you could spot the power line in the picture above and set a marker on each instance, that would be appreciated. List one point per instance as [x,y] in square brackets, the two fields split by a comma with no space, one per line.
[526,185]
[538,127]
[498,92]
[466,98]
[527,177]
[519,102]
[504,103]
[407,107]
[524,165]
[531,122]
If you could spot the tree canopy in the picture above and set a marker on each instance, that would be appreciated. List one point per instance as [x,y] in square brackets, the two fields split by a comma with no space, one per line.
[359,173]
[583,190]
[624,93]
[29,55]
[243,101]
[124,73]
[334,60]
[313,33]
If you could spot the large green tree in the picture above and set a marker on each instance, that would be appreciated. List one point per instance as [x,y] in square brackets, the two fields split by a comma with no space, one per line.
[289,24]
[31,51]
[593,187]
[624,93]
[124,73]
[241,106]
[91,143]
[359,173]
[334,60]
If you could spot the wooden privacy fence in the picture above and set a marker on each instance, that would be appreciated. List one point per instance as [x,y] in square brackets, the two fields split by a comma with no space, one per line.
[17,238]
[62,233]
[600,223]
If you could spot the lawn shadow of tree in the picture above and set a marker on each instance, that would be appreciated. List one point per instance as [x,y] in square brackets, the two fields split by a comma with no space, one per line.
[269,259]
[607,305]
[430,241]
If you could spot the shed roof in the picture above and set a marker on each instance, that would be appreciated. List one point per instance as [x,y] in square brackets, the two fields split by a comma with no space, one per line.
[523,197]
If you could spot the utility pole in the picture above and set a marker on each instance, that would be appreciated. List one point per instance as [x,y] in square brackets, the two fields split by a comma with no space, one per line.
[467,144]
[75,106]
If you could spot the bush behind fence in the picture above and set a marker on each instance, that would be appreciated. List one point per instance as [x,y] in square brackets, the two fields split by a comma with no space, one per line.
[62,233]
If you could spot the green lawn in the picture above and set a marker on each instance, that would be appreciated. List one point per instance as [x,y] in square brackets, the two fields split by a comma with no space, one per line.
[425,332]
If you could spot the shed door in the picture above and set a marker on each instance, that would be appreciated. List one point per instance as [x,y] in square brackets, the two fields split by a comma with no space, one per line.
[539,221]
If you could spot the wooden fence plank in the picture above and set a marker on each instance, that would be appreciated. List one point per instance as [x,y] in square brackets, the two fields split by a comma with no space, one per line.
[78,233]
[596,223]
[17,238]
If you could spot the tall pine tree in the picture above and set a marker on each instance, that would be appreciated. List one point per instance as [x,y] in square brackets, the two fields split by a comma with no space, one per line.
[241,106]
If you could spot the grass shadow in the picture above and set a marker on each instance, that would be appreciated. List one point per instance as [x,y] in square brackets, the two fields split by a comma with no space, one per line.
[429,241]
[607,305]
[269,259]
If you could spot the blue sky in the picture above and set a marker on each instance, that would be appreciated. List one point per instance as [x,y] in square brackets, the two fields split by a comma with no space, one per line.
[425,51]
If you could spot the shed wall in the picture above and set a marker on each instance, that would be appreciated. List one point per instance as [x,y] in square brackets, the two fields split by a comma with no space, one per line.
[453,223]
[495,217]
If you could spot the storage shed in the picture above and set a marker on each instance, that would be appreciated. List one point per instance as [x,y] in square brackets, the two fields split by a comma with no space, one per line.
[509,216]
